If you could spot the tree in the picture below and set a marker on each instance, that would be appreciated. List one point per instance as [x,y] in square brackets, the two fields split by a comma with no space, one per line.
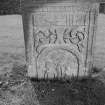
[102,8]
[10,7]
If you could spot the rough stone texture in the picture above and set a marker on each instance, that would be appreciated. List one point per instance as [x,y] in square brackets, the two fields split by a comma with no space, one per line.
[59,38]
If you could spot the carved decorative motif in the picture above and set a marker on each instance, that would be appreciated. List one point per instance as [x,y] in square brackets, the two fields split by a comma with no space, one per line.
[40,38]
[58,62]
[59,38]
[74,36]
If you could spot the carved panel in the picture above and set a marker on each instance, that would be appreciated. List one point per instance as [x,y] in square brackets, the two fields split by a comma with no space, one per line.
[61,35]
[53,29]
[62,52]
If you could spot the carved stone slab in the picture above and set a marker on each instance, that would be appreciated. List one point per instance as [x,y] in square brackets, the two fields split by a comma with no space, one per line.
[59,38]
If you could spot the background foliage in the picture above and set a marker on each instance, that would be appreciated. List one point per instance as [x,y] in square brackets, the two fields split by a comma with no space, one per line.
[14,7]
[10,7]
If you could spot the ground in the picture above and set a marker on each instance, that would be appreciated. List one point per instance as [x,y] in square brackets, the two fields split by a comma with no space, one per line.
[17,89]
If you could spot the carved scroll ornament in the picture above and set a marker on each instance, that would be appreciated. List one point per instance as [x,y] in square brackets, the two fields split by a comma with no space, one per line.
[75,36]
[40,38]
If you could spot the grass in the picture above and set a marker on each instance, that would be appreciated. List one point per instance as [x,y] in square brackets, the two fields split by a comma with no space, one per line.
[17,89]
[75,92]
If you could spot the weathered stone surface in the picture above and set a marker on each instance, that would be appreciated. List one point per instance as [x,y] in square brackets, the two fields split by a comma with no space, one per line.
[59,38]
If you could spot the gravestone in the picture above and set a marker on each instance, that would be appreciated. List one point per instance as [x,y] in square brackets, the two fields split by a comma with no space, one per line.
[59,37]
